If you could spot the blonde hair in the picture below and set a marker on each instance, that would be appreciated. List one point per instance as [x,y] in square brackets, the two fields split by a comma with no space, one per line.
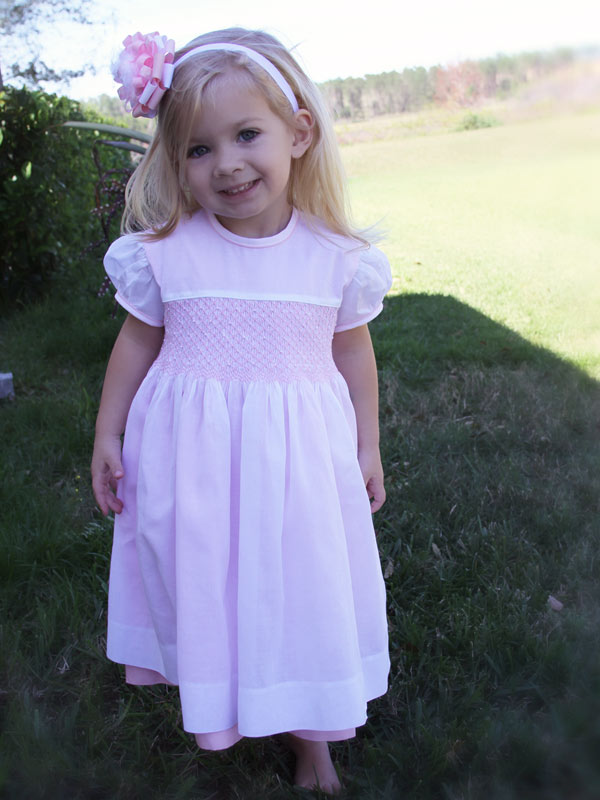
[156,197]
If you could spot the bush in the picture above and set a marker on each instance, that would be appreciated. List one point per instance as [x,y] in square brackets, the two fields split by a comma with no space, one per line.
[472,122]
[47,191]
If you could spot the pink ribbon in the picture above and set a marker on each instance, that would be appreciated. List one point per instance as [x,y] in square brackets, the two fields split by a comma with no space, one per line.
[145,70]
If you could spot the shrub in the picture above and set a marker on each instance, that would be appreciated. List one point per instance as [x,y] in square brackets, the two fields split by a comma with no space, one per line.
[472,122]
[47,191]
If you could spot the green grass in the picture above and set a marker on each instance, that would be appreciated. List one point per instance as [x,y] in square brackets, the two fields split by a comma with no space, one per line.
[490,410]
[504,218]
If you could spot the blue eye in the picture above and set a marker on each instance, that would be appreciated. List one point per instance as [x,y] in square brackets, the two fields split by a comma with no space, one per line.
[248,135]
[197,151]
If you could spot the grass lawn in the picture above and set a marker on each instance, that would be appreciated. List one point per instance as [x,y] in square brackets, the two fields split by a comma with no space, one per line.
[490,408]
[505,219]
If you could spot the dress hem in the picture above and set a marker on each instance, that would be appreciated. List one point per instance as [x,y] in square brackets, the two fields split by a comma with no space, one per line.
[222,740]
[287,707]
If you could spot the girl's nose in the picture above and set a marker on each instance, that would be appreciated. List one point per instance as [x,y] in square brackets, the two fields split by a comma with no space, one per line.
[228,161]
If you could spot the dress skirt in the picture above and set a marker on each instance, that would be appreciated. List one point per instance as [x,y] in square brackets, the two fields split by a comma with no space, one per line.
[245,568]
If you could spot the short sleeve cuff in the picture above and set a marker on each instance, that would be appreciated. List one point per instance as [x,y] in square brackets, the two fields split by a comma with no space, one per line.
[356,323]
[156,323]
[363,296]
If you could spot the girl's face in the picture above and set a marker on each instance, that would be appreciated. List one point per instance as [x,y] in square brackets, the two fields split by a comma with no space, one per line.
[239,157]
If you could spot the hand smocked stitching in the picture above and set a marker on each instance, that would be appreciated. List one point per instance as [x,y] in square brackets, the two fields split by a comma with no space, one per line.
[248,340]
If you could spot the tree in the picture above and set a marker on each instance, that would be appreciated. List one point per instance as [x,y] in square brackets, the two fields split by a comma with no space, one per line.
[460,84]
[23,21]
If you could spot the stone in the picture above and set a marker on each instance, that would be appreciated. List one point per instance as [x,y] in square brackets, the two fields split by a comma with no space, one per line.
[6,385]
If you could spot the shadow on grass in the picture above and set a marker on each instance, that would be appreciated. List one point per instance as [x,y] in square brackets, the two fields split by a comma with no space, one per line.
[490,449]
[421,335]
[492,473]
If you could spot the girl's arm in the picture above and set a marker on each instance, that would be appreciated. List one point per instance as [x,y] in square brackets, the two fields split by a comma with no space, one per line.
[136,348]
[354,357]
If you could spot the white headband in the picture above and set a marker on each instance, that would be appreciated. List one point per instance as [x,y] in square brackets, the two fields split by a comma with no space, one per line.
[256,57]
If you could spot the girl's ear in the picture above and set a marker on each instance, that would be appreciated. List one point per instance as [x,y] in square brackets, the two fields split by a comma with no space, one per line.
[303,132]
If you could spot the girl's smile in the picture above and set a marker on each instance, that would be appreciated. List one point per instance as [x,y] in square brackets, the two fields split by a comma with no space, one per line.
[243,189]
[239,159]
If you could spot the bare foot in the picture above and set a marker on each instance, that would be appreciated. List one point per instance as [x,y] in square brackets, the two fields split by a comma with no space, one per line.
[314,768]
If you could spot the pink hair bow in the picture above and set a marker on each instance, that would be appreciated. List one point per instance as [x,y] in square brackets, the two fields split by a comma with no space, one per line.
[145,68]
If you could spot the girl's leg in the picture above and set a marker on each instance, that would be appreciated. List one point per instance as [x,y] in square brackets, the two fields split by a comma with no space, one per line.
[314,766]
[140,676]
[220,740]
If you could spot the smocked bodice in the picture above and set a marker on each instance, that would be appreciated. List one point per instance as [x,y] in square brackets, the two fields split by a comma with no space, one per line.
[247,340]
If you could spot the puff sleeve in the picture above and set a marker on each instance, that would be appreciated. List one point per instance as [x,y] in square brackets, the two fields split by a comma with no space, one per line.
[363,296]
[127,266]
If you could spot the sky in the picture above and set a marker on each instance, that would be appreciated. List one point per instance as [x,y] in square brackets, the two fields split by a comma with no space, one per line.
[332,38]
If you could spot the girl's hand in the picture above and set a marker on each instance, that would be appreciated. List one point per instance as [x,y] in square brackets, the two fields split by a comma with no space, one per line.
[372,472]
[136,348]
[107,470]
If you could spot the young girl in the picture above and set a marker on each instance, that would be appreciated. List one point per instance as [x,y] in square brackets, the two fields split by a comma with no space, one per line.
[245,567]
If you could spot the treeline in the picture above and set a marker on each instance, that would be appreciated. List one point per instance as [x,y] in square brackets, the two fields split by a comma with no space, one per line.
[463,84]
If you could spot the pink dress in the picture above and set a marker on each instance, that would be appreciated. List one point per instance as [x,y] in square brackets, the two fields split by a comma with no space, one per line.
[245,567]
